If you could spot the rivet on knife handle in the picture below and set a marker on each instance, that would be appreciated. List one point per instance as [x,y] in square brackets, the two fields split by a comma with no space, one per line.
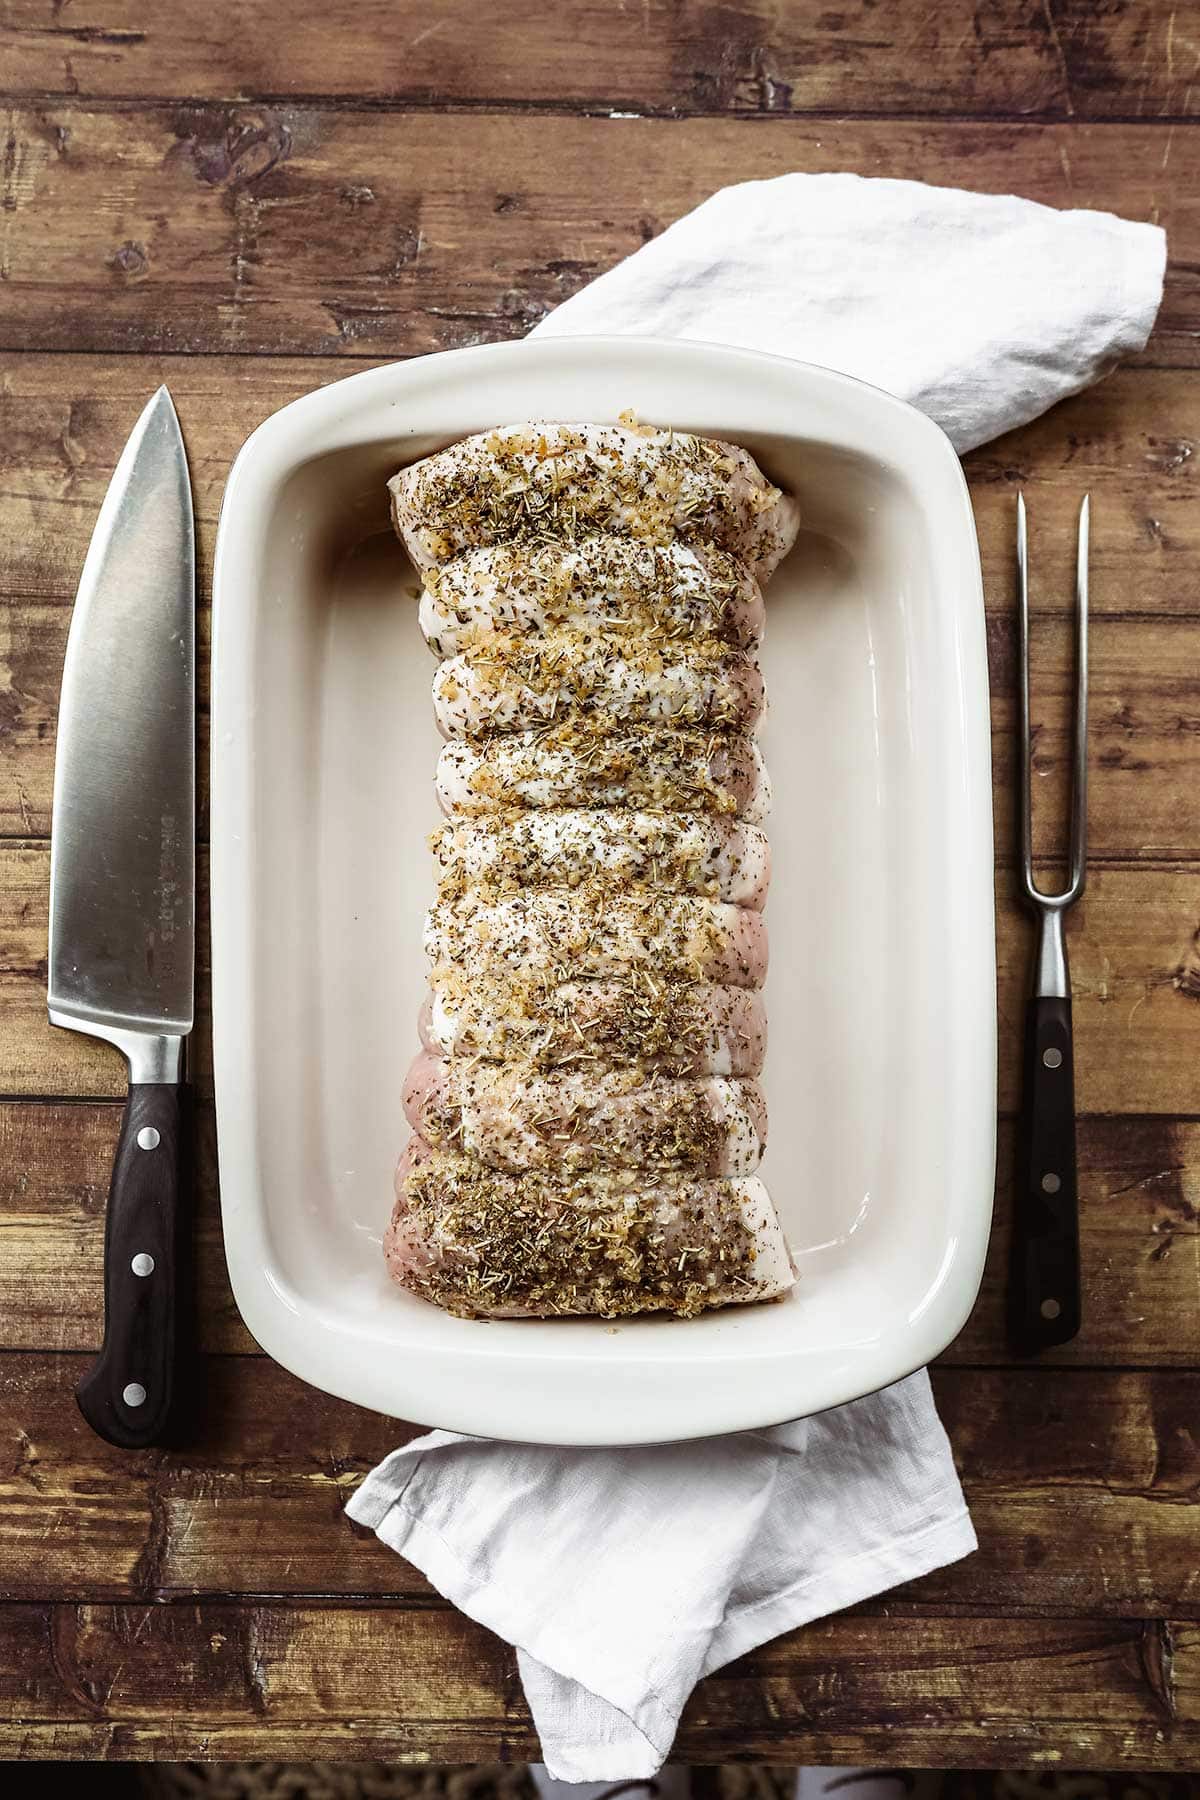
[130,1392]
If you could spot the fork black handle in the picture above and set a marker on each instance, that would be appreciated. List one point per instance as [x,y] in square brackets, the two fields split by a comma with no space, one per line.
[1043,1289]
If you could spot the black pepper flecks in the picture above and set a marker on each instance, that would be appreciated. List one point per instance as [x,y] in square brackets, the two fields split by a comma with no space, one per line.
[528,485]
[604,589]
[598,1243]
[590,588]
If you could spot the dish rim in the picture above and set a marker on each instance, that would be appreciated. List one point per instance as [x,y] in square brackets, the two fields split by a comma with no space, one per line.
[316,424]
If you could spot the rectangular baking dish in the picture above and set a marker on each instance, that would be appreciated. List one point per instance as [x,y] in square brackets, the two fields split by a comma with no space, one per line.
[881,996]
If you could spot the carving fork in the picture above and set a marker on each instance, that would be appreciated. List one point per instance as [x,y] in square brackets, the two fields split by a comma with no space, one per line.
[1044,1286]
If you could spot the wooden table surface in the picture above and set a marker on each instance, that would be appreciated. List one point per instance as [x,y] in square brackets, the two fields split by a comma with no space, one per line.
[248,201]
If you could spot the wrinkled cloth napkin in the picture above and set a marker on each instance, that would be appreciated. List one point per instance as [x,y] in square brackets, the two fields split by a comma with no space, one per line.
[623,1576]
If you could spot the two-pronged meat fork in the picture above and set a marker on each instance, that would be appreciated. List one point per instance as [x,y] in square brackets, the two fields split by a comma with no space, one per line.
[1044,1297]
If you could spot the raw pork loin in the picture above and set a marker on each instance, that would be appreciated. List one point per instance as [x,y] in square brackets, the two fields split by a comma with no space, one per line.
[587,1126]
[566,482]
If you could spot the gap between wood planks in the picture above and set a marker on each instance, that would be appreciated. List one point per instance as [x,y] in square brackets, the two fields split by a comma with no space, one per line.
[346,1600]
[229,212]
[1100,1691]
[615,108]
[1054,58]
[981,1366]
[353,364]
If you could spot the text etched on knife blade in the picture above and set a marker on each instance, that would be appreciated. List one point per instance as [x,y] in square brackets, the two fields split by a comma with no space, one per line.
[168,885]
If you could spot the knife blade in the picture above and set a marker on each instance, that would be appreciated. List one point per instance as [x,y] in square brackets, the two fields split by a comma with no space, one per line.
[122,898]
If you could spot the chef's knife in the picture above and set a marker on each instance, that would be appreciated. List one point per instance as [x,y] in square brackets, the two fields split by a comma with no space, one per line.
[122,897]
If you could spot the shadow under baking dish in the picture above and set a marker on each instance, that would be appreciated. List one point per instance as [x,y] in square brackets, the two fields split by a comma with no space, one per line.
[880,1173]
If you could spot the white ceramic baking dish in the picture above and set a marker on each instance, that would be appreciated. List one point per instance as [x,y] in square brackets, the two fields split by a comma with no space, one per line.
[881,1068]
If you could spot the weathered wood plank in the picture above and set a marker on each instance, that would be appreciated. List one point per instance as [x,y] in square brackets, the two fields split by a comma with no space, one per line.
[1080,1483]
[1139,1206]
[64,420]
[59,1159]
[1127,61]
[285,228]
[1144,727]
[36,1057]
[1143,731]
[1135,968]
[1018,58]
[33,643]
[341,231]
[225,1682]
[1139,1198]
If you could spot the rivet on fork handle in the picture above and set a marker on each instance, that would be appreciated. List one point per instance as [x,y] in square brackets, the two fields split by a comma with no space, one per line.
[1044,1280]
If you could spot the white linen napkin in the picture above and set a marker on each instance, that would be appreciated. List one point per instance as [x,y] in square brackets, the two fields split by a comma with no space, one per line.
[623,1576]
[981,309]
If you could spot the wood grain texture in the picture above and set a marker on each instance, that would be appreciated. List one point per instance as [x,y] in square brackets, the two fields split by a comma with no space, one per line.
[1144,719]
[59,1158]
[35,1056]
[1134,959]
[1080,1483]
[211,228]
[248,211]
[1018,58]
[1139,1203]
[1130,441]
[226,1682]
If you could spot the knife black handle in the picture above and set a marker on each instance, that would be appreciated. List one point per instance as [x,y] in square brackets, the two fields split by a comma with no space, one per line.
[1044,1296]
[128,1394]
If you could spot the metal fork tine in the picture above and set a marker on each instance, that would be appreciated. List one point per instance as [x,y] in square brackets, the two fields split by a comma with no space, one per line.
[1079,772]
[1079,783]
